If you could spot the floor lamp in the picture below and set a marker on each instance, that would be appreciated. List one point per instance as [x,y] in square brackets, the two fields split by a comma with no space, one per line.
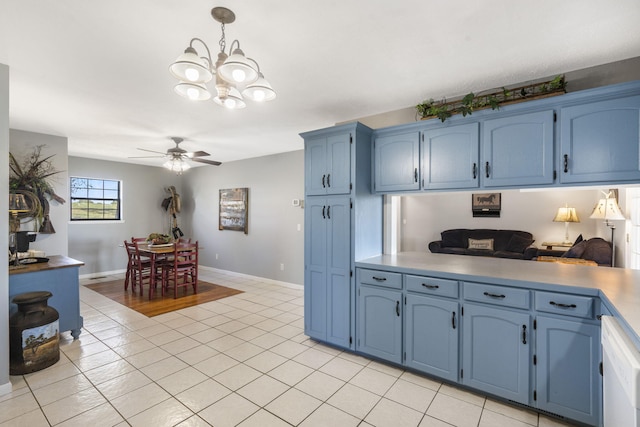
[608,210]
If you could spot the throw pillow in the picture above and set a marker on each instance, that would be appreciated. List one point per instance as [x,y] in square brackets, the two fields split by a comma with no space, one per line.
[486,244]
[518,244]
[576,251]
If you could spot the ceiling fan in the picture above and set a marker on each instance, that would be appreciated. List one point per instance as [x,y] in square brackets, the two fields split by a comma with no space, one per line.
[177,156]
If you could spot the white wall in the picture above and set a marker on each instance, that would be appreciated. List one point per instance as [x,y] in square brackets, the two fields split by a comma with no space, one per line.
[273,237]
[21,145]
[5,385]
[533,211]
[97,244]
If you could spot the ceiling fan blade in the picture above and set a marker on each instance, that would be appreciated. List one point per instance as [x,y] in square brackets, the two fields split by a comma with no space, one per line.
[146,157]
[209,162]
[197,154]
[151,151]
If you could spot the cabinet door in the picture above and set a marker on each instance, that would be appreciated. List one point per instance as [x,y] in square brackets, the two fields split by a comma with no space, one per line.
[315,166]
[600,141]
[339,293]
[495,351]
[396,162]
[450,157]
[328,165]
[338,179]
[568,378]
[379,323]
[518,150]
[327,284]
[315,269]
[431,336]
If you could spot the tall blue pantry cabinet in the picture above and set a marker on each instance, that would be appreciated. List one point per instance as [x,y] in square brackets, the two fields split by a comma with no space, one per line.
[343,222]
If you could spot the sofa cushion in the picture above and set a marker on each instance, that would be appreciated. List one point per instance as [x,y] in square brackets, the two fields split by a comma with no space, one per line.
[453,239]
[518,244]
[510,255]
[485,244]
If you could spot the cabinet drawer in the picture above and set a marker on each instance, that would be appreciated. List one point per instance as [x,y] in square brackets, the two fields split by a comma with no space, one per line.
[499,295]
[568,305]
[432,285]
[380,278]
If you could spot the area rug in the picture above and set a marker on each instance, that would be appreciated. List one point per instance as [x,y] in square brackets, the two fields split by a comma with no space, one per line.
[159,305]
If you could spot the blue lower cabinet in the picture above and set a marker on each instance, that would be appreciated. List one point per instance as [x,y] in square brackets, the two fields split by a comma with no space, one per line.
[431,336]
[568,380]
[379,331]
[496,348]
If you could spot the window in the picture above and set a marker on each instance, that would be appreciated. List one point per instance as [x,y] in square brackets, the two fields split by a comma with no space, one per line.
[95,199]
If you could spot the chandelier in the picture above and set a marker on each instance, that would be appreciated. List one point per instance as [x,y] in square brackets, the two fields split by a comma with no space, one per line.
[231,71]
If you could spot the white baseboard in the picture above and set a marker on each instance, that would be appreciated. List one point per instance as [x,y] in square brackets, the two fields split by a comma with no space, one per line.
[5,388]
[202,267]
[248,276]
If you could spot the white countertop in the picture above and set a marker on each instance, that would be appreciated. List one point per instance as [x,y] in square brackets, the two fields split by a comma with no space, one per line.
[619,287]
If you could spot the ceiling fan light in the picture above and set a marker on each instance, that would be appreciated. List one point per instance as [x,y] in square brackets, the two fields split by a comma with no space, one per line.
[189,67]
[260,90]
[238,69]
[176,165]
[193,91]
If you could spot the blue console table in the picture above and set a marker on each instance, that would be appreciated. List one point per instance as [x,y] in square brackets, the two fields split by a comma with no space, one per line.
[58,276]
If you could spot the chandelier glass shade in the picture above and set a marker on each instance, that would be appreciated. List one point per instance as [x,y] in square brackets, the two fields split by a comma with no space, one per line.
[194,71]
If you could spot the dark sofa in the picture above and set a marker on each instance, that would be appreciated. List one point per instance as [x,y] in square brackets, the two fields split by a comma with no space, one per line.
[512,244]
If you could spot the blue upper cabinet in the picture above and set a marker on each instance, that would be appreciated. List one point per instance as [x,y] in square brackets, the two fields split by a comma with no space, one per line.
[600,141]
[450,157]
[396,162]
[518,150]
[328,165]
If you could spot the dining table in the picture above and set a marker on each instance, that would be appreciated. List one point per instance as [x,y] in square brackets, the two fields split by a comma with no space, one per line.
[156,253]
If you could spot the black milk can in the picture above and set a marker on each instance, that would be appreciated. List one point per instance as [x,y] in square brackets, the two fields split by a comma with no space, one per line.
[34,338]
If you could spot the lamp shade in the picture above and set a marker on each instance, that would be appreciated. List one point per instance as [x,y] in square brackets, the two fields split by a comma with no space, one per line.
[238,69]
[229,97]
[193,91]
[566,214]
[189,67]
[260,90]
[607,209]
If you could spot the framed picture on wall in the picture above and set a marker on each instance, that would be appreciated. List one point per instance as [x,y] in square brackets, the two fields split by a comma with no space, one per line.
[486,204]
[234,210]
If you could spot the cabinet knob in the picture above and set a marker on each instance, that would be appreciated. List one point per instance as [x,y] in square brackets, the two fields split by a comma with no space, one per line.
[475,170]
[328,180]
[415,175]
[566,163]
[524,334]
[398,308]
[323,184]
[453,319]
[486,169]
[379,279]
[426,285]
[323,212]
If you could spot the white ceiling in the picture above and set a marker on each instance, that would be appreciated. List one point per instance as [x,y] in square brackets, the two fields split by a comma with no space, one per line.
[97,71]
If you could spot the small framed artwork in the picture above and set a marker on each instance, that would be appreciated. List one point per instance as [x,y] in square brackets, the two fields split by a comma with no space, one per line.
[234,209]
[486,205]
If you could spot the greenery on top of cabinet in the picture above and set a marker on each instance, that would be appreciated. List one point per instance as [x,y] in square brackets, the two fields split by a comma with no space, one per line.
[471,101]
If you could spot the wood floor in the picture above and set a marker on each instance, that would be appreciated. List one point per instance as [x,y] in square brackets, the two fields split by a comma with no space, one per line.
[159,305]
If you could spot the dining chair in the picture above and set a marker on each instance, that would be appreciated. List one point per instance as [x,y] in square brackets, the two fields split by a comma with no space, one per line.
[182,269]
[184,239]
[138,239]
[143,272]
[137,267]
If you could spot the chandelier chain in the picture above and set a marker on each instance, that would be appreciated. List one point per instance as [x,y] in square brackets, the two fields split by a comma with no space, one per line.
[222,42]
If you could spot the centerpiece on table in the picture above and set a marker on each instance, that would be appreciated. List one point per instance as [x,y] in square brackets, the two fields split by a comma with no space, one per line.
[158,239]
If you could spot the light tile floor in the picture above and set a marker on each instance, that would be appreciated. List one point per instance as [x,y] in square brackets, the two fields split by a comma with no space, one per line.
[240,361]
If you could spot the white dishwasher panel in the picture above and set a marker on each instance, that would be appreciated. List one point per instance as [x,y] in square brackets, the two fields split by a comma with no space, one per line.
[621,376]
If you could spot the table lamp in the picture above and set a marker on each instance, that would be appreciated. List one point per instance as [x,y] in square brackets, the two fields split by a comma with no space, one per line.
[566,215]
[608,210]
[17,204]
